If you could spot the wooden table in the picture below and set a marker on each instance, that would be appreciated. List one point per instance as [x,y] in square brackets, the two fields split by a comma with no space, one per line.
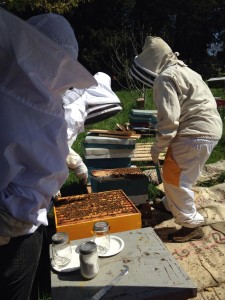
[153,273]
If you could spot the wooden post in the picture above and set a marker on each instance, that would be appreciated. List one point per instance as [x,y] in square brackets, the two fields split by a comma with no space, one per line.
[140,103]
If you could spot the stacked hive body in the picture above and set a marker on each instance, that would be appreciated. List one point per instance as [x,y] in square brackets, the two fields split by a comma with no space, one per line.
[132,181]
[108,151]
[143,121]
[76,215]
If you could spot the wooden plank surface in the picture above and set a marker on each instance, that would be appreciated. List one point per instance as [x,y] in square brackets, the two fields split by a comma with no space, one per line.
[130,137]
[111,133]
[142,153]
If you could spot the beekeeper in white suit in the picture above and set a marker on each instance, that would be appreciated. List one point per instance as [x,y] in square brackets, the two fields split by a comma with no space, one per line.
[35,72]
[82,106]
[86,107]
[188,124]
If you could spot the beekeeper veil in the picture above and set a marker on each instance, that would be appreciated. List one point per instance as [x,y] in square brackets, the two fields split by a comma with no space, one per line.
[46,68]
[81,106]
[89,106]
[155,57]
[58,29]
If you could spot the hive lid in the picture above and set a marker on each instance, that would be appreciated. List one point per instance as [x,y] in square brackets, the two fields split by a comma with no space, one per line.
[109,140]
[102,153]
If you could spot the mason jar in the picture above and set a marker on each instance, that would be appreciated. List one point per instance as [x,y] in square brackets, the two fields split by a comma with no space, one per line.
[88,259]
[61,249]
[101,237]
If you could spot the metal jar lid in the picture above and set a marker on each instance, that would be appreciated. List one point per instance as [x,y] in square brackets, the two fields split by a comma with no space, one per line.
[101,226]
[60,238]
[88,247]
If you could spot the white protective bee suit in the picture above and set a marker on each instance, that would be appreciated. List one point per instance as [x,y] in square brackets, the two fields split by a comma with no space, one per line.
[188,124]
[35,72]
[85,107]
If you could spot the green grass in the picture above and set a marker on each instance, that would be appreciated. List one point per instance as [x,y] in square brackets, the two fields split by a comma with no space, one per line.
[212,182]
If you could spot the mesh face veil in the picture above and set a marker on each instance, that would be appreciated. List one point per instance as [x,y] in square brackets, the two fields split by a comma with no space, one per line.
[156,55]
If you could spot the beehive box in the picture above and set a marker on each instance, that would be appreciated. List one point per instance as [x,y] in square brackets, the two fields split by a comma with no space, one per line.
[132,181]
[93,141]
[76,215]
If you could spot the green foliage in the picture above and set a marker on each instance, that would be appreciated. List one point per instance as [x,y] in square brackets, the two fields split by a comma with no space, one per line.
[212,182]
[218,152]
[111,32]
[44,296]
[154,192]
[56,6]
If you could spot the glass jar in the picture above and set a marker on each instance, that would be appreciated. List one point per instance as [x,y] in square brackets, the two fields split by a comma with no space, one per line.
[101,237]
[88,260]
[61,249]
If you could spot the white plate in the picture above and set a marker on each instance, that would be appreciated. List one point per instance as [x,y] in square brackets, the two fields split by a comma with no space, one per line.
[73,265]
[116,245]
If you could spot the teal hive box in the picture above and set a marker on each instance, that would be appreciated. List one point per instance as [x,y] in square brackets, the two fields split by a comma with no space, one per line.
[107,163]
[93,141]
[103,153]
[139,115]
[106,152]
[143,112]
[132,181]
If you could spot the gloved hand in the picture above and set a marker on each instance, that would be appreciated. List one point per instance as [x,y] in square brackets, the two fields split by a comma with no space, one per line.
[82,173]
[57,196]
[154,154]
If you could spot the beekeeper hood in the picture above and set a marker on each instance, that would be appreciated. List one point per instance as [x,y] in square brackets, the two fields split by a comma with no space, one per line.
[155,57]
[43,66]
[89,106]
[58,29]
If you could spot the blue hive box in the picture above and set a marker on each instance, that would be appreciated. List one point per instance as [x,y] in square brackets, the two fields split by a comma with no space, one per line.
[107,152]
[141,116]
[93,141]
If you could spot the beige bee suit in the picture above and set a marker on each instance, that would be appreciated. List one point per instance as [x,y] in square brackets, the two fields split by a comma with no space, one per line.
[188,123]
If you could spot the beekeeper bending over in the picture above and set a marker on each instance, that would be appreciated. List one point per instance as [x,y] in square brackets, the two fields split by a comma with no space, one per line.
[188,124]
[82,106]
[86,107]
[35,72]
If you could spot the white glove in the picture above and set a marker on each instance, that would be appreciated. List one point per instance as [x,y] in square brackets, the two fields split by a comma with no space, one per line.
[82,173]
[57,196]
[154,155]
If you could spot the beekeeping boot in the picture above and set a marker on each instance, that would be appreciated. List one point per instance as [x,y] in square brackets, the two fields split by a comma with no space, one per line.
[186,234]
